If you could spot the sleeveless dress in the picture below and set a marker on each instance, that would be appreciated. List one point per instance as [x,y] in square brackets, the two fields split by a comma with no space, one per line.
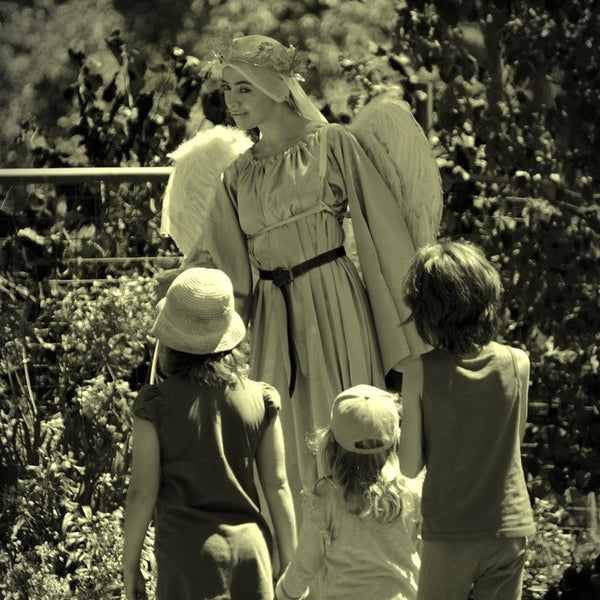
[280,211]
[211,540]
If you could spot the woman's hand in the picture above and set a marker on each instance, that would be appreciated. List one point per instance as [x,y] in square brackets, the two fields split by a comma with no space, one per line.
[135,586]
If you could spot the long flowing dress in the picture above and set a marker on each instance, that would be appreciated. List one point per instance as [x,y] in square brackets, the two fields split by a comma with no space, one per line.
[282,210]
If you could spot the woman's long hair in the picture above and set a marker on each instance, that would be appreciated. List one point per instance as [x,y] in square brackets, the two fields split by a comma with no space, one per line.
[209,369]
[372,484]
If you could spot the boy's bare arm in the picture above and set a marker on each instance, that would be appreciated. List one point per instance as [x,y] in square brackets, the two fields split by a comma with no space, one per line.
[411,430]
[524,368]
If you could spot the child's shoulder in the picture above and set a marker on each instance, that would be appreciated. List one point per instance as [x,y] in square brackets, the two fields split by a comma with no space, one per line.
[519,354]
[263,390]
[412,377]
[337,134]
[257,394]
[522,363]
[148,402]
[323,492]
[413,365]
[322,501]
[324,486]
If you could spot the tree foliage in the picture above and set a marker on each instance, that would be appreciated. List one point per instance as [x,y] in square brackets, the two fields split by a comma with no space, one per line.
[35,65]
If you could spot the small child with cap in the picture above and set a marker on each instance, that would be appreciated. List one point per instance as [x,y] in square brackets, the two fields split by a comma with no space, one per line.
[196,438]
[360,532]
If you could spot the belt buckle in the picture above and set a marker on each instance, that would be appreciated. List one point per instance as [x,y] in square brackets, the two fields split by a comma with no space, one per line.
[281,276]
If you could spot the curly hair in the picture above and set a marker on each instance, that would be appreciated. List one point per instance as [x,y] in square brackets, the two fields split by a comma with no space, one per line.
[453,293]
[372,484]
[209,369]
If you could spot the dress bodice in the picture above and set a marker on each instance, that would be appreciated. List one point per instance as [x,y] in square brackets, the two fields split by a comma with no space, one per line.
[288,210]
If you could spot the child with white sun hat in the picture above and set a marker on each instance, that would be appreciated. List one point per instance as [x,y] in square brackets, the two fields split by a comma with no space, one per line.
[196,438]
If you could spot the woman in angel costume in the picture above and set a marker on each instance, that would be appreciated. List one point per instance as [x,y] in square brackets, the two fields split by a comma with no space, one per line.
[276,227]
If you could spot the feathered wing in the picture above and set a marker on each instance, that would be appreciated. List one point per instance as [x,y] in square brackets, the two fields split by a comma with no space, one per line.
[396,144]
[192,186]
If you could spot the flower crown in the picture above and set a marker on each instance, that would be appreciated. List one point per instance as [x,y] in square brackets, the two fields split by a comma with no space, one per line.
[270,55]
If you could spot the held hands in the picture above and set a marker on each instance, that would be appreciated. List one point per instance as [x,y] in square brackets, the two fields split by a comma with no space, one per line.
[280,593]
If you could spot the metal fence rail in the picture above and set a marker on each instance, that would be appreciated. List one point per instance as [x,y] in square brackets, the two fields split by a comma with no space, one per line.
[91,188]
[84,174]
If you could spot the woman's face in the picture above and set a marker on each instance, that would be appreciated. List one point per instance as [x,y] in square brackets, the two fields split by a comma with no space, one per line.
[248,106]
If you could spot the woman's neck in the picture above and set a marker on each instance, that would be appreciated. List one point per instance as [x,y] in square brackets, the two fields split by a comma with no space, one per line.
[281,131]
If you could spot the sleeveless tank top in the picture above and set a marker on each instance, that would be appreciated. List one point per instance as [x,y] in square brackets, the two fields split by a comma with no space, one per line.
[474,486]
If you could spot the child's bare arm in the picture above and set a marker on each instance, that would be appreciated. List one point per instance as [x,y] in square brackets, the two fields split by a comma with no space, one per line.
[310,552]
[524,368]
[270,463]
[411,430]
[141,498]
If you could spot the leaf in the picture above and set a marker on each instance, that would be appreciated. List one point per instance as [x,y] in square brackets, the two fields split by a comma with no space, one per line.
[144,103]
[77,55]
[115,44]
[93,81]
[66,522]
[32,235]
[159,68]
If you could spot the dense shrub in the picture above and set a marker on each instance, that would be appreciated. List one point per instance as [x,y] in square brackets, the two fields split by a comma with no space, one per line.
[556,549]
[64,440]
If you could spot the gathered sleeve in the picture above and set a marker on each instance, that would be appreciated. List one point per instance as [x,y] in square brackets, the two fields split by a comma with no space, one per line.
[383,243]
[272,401]
[313,540]
[226,243]
[148,404]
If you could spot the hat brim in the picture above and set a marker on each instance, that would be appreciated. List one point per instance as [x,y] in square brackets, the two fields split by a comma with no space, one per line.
[170,333]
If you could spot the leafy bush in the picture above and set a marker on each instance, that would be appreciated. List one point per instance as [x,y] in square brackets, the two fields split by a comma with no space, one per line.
[64,440]
[84,562]
[554,551]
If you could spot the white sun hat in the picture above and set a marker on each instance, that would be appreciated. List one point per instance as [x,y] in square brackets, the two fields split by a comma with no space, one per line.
[197,314]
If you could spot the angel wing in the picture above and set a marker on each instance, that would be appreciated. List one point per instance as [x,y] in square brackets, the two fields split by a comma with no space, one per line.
[398,147]
[192,186]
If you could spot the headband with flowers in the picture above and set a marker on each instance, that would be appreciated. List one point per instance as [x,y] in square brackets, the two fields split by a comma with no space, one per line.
[267,53]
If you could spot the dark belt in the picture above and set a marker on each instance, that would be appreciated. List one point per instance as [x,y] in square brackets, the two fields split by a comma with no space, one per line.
[282,275]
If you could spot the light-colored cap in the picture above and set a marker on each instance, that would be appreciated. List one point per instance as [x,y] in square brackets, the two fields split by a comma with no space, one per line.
[197,314]
[365,420]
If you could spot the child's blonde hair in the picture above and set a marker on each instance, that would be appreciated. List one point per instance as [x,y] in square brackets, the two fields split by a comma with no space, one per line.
[372,484]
